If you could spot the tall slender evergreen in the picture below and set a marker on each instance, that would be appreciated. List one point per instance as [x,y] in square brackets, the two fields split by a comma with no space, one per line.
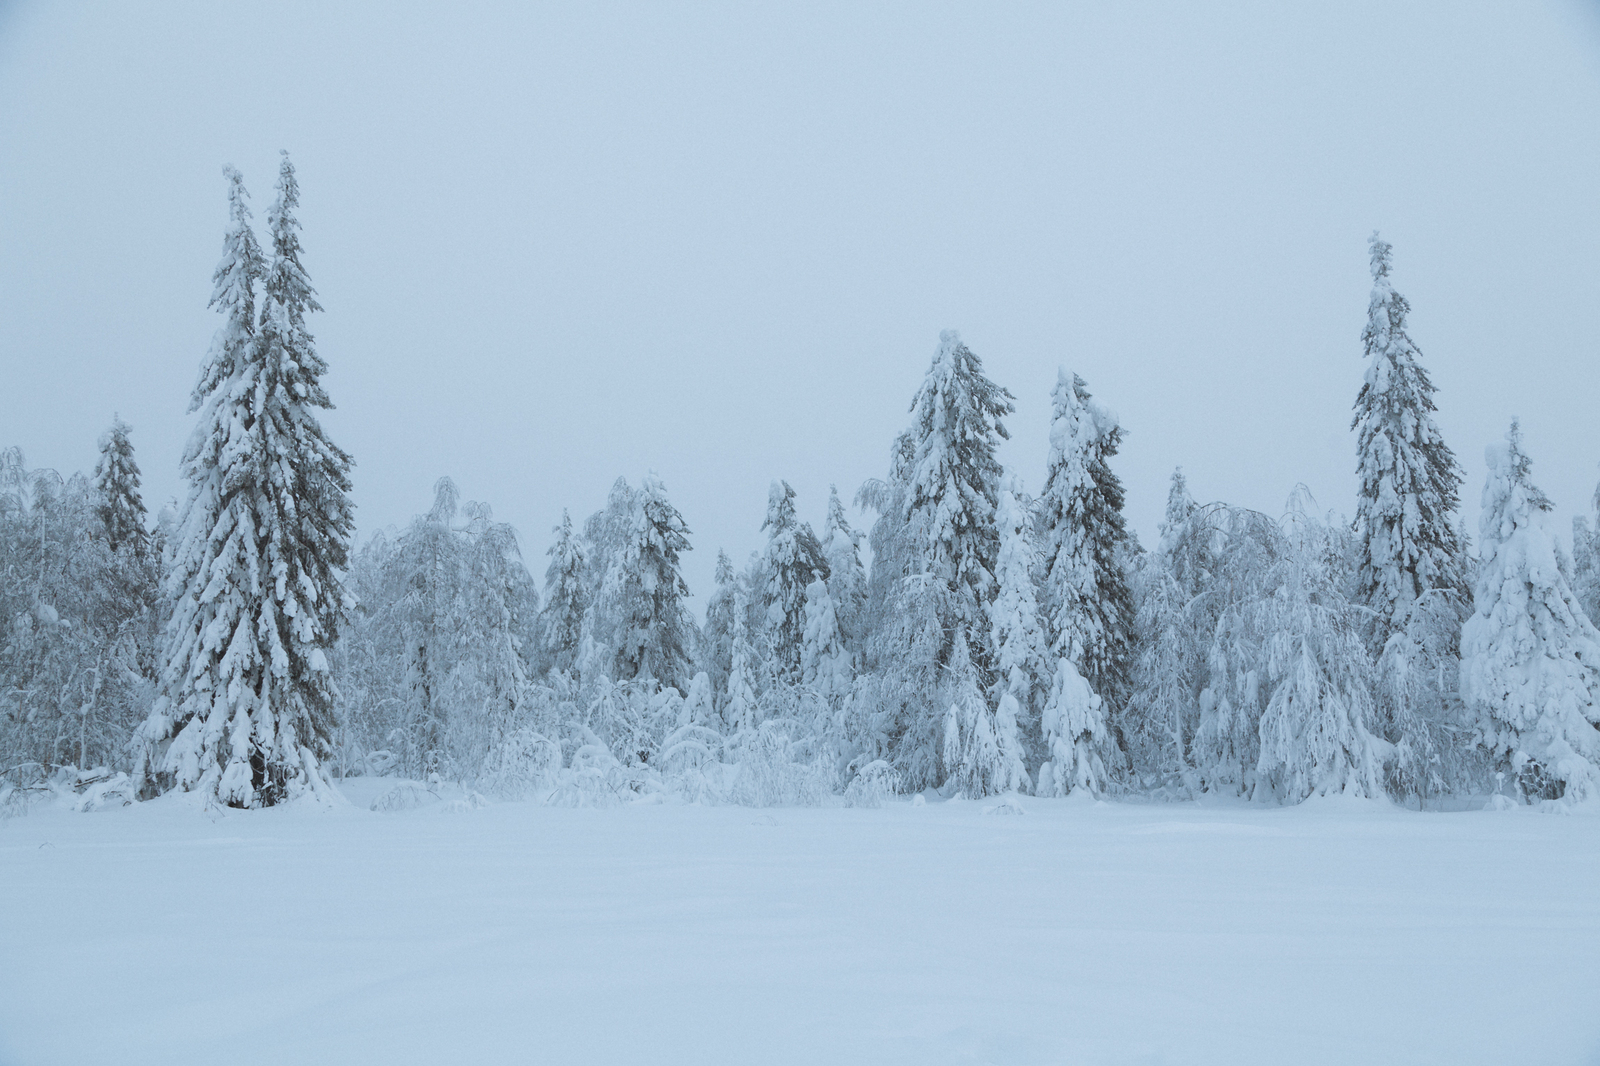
[1410,481]
[116,482]
[1088,605]
[247,699]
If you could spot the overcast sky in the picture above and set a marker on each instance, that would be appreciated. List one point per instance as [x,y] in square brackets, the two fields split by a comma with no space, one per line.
[559,243]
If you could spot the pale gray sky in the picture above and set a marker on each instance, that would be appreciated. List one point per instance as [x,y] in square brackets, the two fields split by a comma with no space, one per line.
[558,243]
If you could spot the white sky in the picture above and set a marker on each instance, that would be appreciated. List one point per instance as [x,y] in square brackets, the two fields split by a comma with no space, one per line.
[558,243]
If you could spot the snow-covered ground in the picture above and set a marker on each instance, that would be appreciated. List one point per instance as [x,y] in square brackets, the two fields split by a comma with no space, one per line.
[1332,932]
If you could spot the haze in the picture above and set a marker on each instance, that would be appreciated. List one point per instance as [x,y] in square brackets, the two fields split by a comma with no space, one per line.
[559,243]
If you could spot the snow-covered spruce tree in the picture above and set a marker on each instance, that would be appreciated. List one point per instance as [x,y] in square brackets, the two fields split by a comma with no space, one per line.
[606,536]
[1410,564]
[955,483]
[978,761]
[657,634]
[1022,658]
[1087,602]
[739,709]
[824,661]
[847,578]
[255,580]
[565,599]
[939,564]
[1075,735]
[133,577]
[427,617]
[715,651]
[1530,659]
[1174,626]
[1586,563]
[116,483]
[1410,480]
[793,560]
[1315,735]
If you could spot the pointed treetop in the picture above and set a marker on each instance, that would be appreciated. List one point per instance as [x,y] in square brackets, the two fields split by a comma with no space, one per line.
[233,280]
[1380,251]
[1510,463]
[780,507]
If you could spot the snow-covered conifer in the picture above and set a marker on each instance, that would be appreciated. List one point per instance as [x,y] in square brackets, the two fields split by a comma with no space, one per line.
[116,482]
[955,482]
[1021,654]
[716,636]
[792,562]
[1586,563]
[936,574]
[973,760]
[256,579]
[566,598]
[606,535]
[1410,480]
[847,579]
[739,710]
[1075,735]
[824,661]
[1530,658]
[1087,602]
[657,634]
[1174,623]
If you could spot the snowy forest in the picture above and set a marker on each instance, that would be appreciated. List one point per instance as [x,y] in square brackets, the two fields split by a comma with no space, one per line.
[978,637]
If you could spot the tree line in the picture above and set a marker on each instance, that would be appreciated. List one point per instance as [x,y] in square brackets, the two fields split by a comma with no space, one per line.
[976,639]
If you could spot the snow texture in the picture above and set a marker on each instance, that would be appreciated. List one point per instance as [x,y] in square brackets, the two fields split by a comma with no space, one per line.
[1222,934]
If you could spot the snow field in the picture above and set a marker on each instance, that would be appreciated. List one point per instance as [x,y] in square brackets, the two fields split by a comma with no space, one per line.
[1332,932]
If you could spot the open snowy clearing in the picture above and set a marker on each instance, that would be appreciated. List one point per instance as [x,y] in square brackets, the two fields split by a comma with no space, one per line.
[1333,932]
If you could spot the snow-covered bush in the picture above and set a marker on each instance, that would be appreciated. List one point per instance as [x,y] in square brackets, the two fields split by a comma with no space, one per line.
[777,770]
[873,785]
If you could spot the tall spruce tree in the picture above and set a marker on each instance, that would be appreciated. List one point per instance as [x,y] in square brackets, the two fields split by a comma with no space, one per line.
[1530,658]
[1174,625]
[657,634]
[847,579]
[715,655]
[247,701]
[1410,480]
[955,486]
[1022,657]
[116,482]
[939,545]
[792,562]
[1088,605]
[565,599]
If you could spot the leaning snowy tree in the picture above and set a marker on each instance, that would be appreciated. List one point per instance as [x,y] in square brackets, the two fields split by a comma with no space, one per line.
[1089,611]
[246,710]
[1410,565]
[1530,658]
